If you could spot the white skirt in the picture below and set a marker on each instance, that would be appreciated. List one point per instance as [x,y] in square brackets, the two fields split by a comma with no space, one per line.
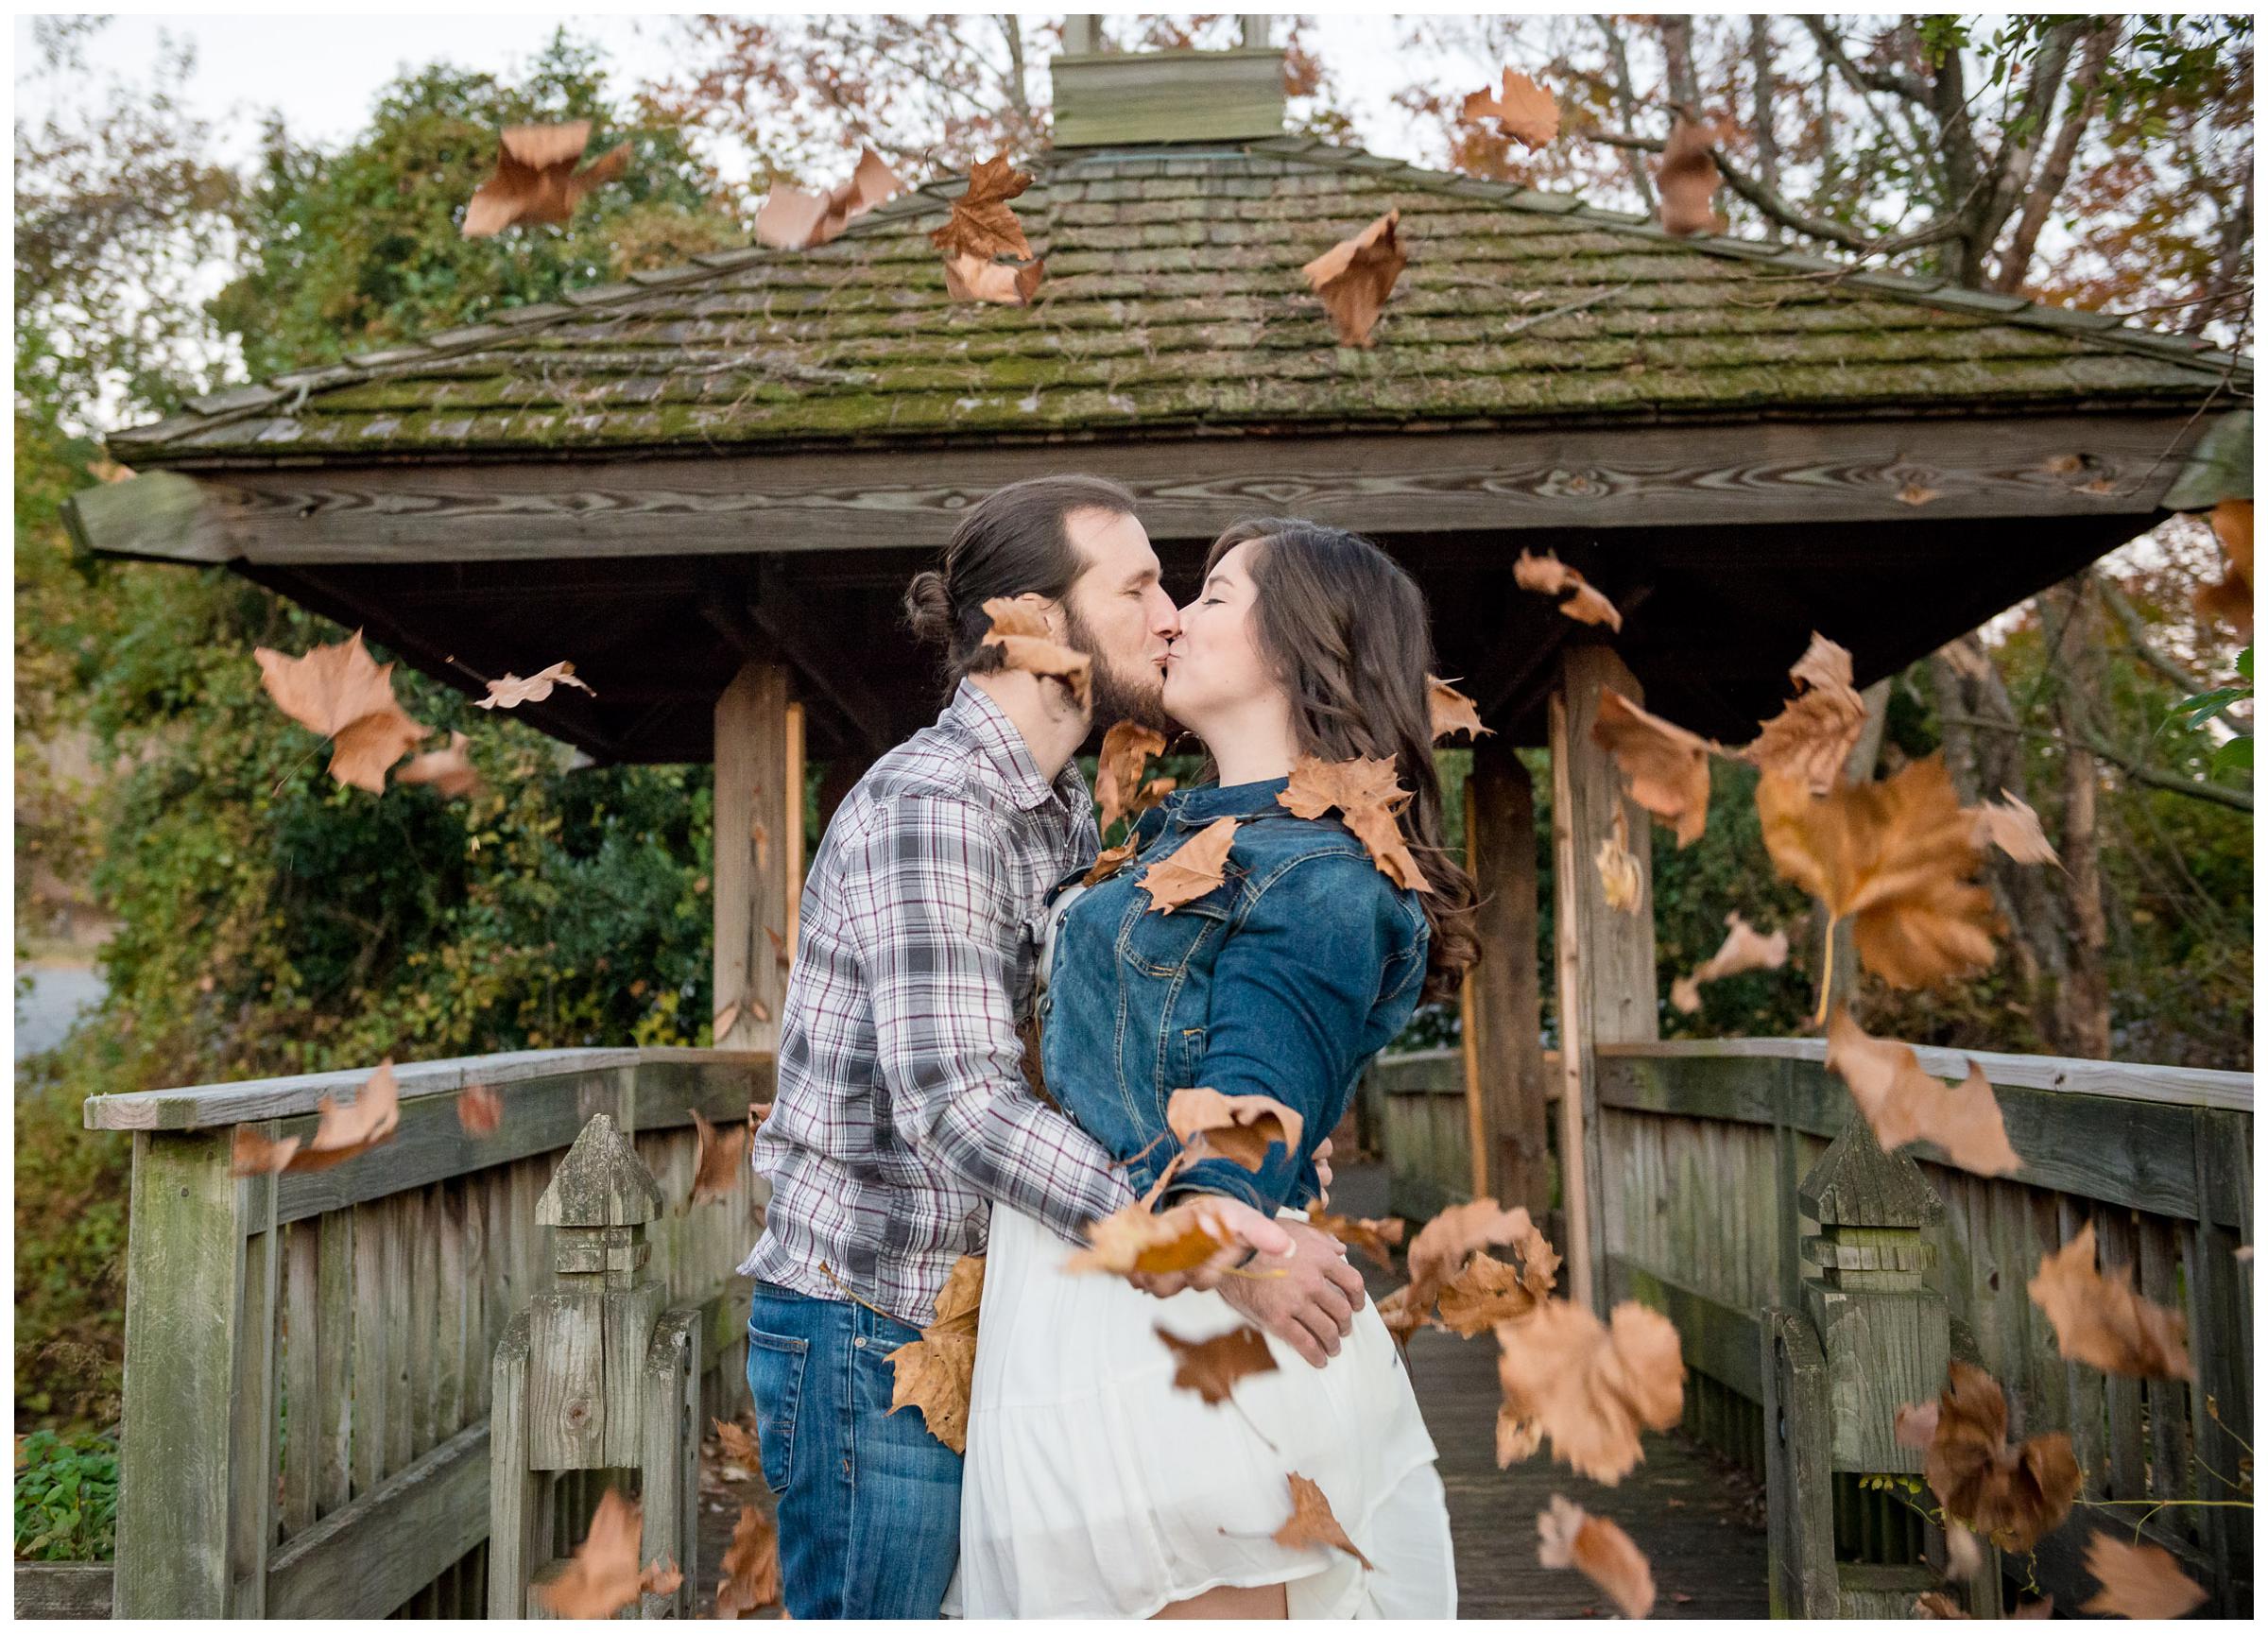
[1094,1489]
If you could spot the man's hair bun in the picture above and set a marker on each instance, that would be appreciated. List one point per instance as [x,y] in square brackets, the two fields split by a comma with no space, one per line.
[929,608]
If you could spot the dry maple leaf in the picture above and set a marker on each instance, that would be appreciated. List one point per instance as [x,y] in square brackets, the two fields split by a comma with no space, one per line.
[1238,1128]
[479,1110]
[717,1167]
[1108,862]
[1212,1367]
[1524,111]
[342,693]
[2012,1495]
[1152,792]
[1547,575]
[2102,1321]
[1743,950]
[450,770]
[1354,277]
[1135,1239]
[1367,795]
[603,1576]
[661,1577]
[1193,870]
[1812,736]
[536,179]
[1126,755]
[1619,877]
[1588,1385]
[1489,1291]
[2139,1580]
[513,690]
[1445,1242]
[2015,828]
[1896,859]
[738,1445]
[1599,1549]
[1901,1103]
[933,1373]
[343,1132]
[1376,1238]
[1022,638]
[2229,602]
[1403,1314]
[1687,181]
[1916,1424]
[752,1563]
[1664,768]
[794,219]
[970,277]
[253,1153]
[982,225]
[1451,711]
[1313,1525]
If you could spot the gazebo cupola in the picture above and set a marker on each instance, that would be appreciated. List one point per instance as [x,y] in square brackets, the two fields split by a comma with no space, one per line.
[1140,98]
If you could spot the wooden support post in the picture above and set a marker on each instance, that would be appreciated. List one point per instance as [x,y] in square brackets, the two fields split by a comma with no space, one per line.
[1504,1000]
[753,803]
[1605,958]
[791,830]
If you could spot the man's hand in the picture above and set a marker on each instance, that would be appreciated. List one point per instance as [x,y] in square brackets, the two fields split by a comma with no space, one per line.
[1323,1173]
[1310,1304]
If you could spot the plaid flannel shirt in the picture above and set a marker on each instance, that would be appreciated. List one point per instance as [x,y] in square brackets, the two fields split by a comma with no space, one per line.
[903,1111]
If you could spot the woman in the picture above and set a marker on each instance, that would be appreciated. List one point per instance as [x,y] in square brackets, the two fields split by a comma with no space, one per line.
[1093,1487]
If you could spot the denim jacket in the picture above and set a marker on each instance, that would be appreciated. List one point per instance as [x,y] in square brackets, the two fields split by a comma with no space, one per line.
[1283,982]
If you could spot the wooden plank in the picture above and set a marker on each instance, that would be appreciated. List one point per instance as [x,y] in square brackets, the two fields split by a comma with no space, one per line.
[423,1314]
[2170,1474]
[334,1359]
[252,1406]
[179,1451]
[792,835]
[2221,1340]
[519,1509]
[210,1106]
[1506,1004]
[372,1556]
[302,1375]
[483,1325]
[452,1308]
[394,1304]
[2128,1462]
[1799,1489]
[750,890]
[626,1328]
[669,1456]
[566,1384]
[73,1589]
[1112,99]
[1605,958]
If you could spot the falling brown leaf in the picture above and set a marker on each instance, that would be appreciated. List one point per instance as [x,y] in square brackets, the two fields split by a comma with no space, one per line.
[1108,862]
[1489,1291]
[253,1153]
[1152,792]
[967,277]
[603,1576]
[2229,602]
[722,1023]
[1937,1605]
[1914,494]
[1964,1554]
[1238,1128]
[1451,711]
[1547,575]
[513,690]
[1743,950]
[536,179]
[1126,755]
[717,1167]
[1023,637]
[1134,1240]
[343,1132]
[1601,1550]
[933,1373]
[1893,857]
[2139,1580]
[779,953]
[1588,1385]
[1901,1103]
[1524,109]
[1402,1313]
[2102,1321]
[1376,1238]
[982,225]
[1619,876]
[1193,870]
[1354,277]
[108,471]
[1367,795]
[2012,1495]
[752,1563]
[340,692]
[1452,1237]
[1212,1367]
[2014,827]
[450,770]
[794,219]
[1916,1424]
[1813,734]
[479,1110]
[1664,768]
[1313,1525]
[2065,465]
[738,1445]
[1687,181]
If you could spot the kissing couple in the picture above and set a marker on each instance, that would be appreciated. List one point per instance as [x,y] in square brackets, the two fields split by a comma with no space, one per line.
[948,891]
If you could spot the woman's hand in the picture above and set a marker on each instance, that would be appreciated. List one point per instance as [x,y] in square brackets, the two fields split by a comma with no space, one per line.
[1250,1233]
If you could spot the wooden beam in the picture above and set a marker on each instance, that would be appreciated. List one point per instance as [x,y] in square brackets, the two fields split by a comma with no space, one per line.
[1605,958]
[800,628]
[750,874]
[1636,476]
[1505,1002]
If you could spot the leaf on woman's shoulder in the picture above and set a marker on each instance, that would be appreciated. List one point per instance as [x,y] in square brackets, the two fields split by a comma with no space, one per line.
[1193,870]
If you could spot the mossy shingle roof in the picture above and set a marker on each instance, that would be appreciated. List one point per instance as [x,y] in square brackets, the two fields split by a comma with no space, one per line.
[1173,306]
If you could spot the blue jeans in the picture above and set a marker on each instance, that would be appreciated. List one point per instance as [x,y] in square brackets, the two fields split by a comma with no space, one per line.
[869,1501]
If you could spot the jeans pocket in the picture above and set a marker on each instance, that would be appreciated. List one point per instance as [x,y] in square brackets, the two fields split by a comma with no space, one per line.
[776,1381]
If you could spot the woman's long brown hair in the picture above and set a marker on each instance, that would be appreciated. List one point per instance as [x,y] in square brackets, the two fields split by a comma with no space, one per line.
[1346,632]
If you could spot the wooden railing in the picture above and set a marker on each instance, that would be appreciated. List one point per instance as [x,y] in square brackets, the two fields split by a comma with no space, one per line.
[305,1418]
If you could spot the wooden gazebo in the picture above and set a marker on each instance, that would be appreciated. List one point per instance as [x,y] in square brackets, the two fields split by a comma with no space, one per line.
[708,486]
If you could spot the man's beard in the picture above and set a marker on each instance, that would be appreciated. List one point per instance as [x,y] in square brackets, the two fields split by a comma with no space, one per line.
[1115,696]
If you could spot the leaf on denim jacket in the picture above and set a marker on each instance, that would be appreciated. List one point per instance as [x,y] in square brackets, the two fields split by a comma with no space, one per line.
[934,1372]
[1588,1385]
[1600,1550]
[1238,1128]
[1376,1238]
[1365,794]
[1313,1525]
[1451,711]
[1191,872]
[1135,1241]
[1109,861]
[717,1160]
[1212,1367]
[1025,643]
[1127,751]
[751,1564]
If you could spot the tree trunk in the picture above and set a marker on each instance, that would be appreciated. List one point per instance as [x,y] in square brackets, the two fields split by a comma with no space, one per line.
[1767,139]
[1625,101]
[2083,1022]
[1677,48]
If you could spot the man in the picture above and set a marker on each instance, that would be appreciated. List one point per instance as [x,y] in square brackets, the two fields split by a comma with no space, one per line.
[902,1113]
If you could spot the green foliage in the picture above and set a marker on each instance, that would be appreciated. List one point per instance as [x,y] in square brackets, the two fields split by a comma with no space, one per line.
[66,1496]
[2236,754]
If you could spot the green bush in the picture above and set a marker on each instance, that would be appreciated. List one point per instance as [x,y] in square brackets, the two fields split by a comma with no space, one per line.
[66,1496]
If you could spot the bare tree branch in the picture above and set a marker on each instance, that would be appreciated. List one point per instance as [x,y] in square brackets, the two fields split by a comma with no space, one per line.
[1885,79]
[2173,782]
[2235,239]
[1767,136]
[2015,260]
[2011,168]
[1625,91]
[2138,636]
